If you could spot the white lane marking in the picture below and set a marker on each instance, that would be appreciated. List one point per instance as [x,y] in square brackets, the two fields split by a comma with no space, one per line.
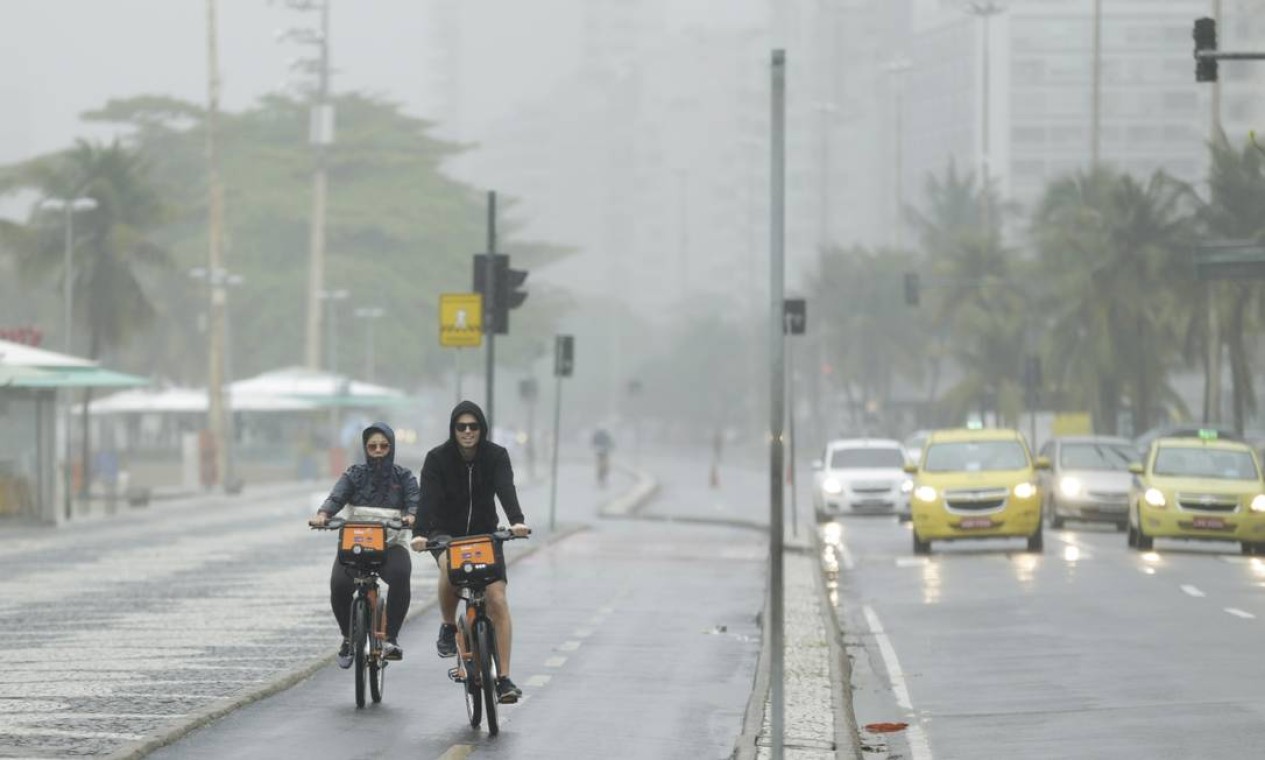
[912,561]
[919,749]
[457,752]
[568,646]
[582,633]
[555,662]
[845,556]
[538,680]
[1192,590]
[1239,613]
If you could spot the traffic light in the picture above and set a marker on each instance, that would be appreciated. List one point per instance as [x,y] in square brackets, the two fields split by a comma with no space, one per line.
[1205,40]
[506,282]
[563,356]
[911,288]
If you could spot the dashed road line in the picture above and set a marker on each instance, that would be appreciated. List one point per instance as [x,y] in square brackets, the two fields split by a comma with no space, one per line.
[1192,590]
[568,646]
[1235,611]
[555,662]
[538,680]
[919,749]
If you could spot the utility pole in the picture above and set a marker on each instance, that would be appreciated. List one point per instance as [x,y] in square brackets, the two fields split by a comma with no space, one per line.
[1212,394]
[321,136]
[1095,110]
[985,10]
[215,254]
[777,277]
[489,310]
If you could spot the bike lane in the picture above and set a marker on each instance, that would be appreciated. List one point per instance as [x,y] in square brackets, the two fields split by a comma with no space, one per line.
[633,639]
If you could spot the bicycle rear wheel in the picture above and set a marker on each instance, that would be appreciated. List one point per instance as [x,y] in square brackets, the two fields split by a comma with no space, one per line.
[486,648]
[470,687]
[359,638]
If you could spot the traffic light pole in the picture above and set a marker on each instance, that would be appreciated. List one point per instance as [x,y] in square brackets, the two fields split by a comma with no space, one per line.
[489,312]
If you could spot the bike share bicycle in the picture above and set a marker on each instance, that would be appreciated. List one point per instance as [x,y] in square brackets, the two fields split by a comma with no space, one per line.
[472,565]
[362,548]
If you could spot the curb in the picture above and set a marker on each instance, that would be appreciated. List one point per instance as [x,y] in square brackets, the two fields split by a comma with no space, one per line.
[215,711]
[847,733]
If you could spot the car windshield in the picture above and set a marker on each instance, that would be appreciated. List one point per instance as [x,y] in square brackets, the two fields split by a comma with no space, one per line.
[1202,462]
[849,459]
[975,456]
[1096,456]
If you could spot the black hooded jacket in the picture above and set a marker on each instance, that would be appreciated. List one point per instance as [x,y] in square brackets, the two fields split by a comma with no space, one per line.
[377,483]
[457,496]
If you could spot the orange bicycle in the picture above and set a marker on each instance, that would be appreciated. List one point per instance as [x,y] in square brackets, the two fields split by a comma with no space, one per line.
[362,550]
[472,565]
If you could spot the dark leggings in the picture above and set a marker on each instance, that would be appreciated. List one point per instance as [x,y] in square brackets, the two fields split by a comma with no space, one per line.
[396,571]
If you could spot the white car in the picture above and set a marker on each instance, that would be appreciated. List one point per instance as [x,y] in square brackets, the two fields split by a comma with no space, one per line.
[861,476]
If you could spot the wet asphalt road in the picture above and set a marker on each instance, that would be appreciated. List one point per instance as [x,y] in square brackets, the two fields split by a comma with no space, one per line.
[1091,650]
[633,639]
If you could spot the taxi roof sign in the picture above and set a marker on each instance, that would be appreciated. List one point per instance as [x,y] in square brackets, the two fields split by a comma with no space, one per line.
[1207,434]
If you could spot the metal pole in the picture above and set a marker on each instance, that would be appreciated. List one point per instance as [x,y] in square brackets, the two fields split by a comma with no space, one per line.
[557,424]
[215,252]
[489,310]
[777,183]
[1095,124]
[316,248]
[68,281]
[1212,397]
[790,430]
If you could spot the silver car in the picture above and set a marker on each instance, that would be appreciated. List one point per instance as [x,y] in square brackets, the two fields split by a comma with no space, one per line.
[1088,479]
[860,476]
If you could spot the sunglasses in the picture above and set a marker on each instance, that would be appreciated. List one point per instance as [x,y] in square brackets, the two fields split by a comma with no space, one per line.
[378,446]
[462,427]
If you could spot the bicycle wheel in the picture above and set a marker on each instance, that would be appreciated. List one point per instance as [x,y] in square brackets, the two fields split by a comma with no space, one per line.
[486,647]
[470,687]
[377,665]
[359,637]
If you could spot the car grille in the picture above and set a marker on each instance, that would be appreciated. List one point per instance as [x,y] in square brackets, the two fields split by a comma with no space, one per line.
[1208,502]
[1108,497]
[975,500]
[871,486]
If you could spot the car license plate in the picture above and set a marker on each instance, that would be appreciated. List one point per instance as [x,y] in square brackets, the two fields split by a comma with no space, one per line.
[1211,523]
[970,523]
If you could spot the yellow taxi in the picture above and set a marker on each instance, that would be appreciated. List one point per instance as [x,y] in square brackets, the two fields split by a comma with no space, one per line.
[1202,488]
[976,484]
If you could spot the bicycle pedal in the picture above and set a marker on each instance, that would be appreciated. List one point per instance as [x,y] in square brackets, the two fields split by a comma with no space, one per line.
[456,675]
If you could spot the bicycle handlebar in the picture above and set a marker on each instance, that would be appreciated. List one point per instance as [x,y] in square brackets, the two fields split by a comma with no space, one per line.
[334,523]
[500,535]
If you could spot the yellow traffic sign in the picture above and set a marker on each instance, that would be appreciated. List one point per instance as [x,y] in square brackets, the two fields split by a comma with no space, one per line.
[461,319]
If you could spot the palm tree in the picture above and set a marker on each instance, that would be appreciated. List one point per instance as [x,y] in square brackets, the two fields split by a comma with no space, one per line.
[114,251]
[979,293]
[1236,185]
[1109,252]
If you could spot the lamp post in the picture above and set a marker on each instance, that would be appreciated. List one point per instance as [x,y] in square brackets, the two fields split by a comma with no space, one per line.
[219,403]
[369,314]
[331,297]
[985,10]
[68,206]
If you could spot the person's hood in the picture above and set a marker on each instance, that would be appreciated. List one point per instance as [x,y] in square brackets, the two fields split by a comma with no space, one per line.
[467,407]
[385,429]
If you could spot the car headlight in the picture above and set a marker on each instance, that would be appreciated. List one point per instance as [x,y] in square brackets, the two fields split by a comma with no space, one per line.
[832,486]
[1258,503]
[906,485]
[1071,487]
[1025,490]
[925,493]
[1154,497]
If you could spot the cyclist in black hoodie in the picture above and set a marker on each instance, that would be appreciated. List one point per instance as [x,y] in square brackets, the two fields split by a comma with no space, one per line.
[459,480]
[379,482]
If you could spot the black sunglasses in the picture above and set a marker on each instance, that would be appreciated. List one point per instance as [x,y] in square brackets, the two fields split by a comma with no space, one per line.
[462,427]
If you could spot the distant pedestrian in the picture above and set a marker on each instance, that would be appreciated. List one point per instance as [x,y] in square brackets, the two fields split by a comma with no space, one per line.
[602,443]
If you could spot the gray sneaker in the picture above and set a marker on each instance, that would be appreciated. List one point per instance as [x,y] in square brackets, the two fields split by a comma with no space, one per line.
[391,651]
[344,654]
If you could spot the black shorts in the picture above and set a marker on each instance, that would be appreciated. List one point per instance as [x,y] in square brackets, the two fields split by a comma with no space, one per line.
[500,560]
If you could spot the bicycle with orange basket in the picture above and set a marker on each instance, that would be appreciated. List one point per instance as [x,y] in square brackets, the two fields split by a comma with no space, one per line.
[362,548]
[472,565]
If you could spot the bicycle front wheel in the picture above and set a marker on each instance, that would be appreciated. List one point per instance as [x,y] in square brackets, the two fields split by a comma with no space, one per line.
[359,638]
[378,666]
[470,687]
[486,647]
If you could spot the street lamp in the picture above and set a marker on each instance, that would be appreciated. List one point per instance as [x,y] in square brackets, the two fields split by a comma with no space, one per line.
[219,403]
[369,314]
[331,297]
[68,206]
